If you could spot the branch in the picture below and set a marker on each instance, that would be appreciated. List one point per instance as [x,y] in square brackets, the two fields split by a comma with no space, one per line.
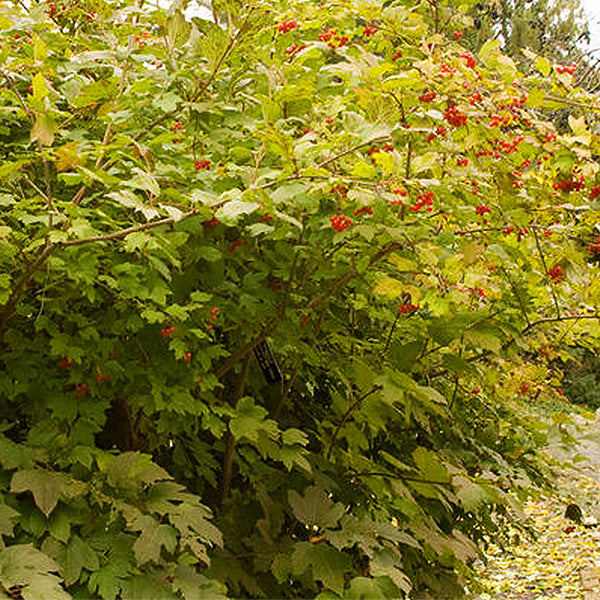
[530,326]
[539,249]
[230,439]
[573,103]
[230,45]
[347,414]
[248,348]
[405,478]
[385,138]
[518,297]
[117,235]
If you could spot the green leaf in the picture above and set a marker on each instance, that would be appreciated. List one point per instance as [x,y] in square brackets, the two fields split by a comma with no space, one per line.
[43,129]
[249,420]
[79,555]
[46,487]
[328,565]
[430,465]
[315,508]
[194,586]
[153,537]
[230,212]
[24,566]
[8,516]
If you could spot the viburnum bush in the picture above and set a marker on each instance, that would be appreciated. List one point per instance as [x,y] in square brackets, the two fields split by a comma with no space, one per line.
[277,292]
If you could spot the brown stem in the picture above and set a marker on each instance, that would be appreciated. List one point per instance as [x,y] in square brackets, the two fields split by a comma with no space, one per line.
[539,249]
[347,414]
[230,439]
[230,45]
[404,478]
[530,326]
[517,296]
[327,161]
[247,349]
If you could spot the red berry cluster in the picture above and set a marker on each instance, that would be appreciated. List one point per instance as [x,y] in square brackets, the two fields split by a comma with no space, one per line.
[482,209]
[211,222]
[202,165]
[338,40]
[556,273]
[397,55]
[424,200]
[595,247]
[454,117]
[167,331]
[340,222]
[399,192]
[286,26]
[566,68]
[64,364]
[295,48]
[99,377]
[407,307]
[439,132]
[364,210]
[595,192]
[457,34]
[428,97]
[551,137]
[140,38]
[499,120]
[570,185]
[462,162]
[340,189]
[369,31]
[446,71]
[470,60]
[475,97]
[81,389]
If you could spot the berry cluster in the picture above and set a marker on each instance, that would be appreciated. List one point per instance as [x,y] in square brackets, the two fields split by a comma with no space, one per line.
[454,117]
[427,97]
[424,200]
[556,273]
[407,307]
[566,68]
[570,185]
[295,48]
[470,60]
[202,165]
[340,222]
[364,210]
[369,31]
[286,26]
[332,34]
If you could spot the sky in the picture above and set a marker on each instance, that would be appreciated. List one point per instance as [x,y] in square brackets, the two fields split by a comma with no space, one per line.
[592,8]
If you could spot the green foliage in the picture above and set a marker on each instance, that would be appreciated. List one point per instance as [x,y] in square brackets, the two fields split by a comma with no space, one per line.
[276,291]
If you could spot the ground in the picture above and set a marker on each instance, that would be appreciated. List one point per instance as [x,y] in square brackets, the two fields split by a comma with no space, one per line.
[563,561]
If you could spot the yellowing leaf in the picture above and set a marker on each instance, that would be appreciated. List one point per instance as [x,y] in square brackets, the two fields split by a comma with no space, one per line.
[43,129]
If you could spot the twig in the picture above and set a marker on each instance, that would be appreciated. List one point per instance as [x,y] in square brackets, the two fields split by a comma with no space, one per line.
[347,414]
[539,249]
[530,326]
[230,439]
[347,151]
[206,84]
[517,295]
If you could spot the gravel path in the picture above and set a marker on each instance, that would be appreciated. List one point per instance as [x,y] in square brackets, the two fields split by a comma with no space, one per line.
[563,562]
